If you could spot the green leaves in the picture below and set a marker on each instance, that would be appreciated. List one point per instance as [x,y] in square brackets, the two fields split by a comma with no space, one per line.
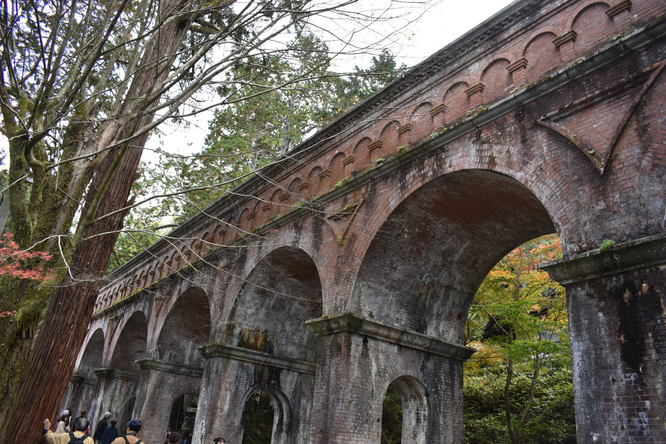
[518,386]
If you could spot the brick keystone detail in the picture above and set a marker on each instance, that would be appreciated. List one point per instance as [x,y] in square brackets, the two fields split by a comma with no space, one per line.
[356,324]
[303,186]
[438,109]
[479,87]
[620,7]
[565,38]
[283,197]
[628,256]
[377,144]
[405,128]
[256,357]
[348,160]
[518,64]
[325,173]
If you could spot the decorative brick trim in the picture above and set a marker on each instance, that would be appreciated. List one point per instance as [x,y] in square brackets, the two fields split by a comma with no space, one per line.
[624,5]
[629,256]
[324,173]
[347,160]
[565,38]
[251,215]
[479,87]
[438,109]
[353,323]
[168,367]
[267,207]
[518,64]
[283,196]
[377,144]
[303,186]
[405,128]
[256,357]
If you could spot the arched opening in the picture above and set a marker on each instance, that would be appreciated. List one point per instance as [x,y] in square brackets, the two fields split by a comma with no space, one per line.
[518,386]
[183,412]
[404,412]
[268,318]
[428,259]
[186,327]
[92,356]
[279,295]
[131,345]
[258,419]
[424,265]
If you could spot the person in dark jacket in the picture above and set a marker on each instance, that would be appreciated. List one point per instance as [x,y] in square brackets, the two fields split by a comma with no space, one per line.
[110,433]
[101,426]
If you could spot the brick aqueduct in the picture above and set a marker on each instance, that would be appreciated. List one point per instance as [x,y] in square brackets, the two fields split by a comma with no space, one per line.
[350,265]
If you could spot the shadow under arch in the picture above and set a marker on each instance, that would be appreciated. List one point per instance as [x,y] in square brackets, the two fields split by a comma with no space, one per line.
[412,414]
[186,327]
[131,344]
[278,296]
[93,355]
[425,263]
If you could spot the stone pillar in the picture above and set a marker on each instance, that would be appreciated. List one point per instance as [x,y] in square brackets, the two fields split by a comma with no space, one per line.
[616,304]
[162,383]
[230,376]
[361,358]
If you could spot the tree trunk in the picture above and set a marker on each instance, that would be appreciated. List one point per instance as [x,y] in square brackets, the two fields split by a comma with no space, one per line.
[51,361]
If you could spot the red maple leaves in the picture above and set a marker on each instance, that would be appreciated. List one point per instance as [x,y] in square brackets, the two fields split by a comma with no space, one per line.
[20,264]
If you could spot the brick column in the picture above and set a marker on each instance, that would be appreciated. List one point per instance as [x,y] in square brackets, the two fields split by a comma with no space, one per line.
[616,304]
[360,359]
[163,382]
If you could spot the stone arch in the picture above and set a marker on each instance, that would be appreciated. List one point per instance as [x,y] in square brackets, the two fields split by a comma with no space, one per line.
[276,298]
[131,343]
[495,79]
[414,406]
[592,26]
[454,228]
[541,55]
[186,327]
[280,407]
[456,101]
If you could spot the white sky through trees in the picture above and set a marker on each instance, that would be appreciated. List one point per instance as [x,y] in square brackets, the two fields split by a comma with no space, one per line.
[422,34]
[419,34]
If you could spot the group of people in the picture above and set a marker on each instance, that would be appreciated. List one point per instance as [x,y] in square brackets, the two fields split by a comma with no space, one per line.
[77,430]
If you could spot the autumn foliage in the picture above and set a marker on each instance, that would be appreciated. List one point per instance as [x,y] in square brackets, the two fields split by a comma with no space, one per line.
[21,264]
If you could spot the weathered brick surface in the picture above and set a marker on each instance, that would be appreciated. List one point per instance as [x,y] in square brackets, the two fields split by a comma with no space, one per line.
[551,118]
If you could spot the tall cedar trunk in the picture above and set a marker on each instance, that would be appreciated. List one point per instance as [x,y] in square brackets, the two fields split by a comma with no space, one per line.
[53,355]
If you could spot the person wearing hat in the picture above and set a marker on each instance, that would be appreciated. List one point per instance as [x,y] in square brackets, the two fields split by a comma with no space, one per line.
[78,435]
[101,426]
[133,428]
[62,425]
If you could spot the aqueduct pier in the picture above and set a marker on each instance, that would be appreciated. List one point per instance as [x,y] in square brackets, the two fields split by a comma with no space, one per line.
[350,266]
